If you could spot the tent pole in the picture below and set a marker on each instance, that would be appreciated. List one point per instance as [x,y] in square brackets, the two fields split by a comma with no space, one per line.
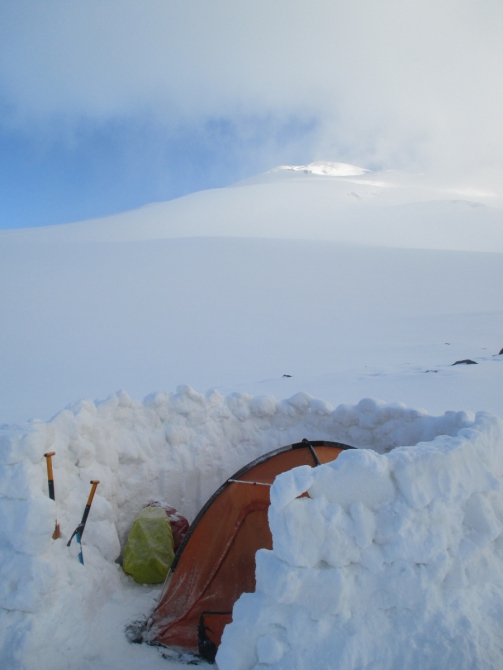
[311,449]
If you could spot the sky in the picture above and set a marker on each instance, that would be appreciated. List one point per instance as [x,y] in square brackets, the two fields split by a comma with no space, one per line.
[106,105]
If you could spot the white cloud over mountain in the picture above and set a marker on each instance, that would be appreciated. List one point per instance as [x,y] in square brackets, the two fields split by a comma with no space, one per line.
[412,85]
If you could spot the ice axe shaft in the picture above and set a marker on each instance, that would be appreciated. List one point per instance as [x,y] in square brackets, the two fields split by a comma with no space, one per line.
[94,483]
[79,531]
[52,494]
[82,524]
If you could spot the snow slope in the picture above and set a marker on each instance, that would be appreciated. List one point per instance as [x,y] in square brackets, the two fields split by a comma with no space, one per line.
[179,292]
[384,282]
[384,209]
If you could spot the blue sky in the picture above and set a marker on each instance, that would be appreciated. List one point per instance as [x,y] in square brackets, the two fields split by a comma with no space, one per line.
[125,163]
[106,105]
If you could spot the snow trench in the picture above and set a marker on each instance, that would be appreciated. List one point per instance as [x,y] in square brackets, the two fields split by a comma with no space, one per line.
[392,537]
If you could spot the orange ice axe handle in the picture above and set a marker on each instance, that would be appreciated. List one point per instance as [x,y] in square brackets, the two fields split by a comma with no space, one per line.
[79,531]
[50,476]
[52,495]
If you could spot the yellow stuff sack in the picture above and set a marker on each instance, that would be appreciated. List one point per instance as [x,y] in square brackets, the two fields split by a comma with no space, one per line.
[149,550]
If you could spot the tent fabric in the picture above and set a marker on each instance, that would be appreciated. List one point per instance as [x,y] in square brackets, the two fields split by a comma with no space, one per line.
[149,551]
[216,561]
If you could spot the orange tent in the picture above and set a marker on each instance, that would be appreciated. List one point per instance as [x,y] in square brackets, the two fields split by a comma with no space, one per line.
[215,563]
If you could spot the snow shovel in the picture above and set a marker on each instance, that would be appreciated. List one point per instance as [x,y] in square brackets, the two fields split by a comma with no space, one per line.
[52,496]
[79,531]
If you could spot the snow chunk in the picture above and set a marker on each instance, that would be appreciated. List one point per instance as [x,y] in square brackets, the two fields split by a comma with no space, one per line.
[269,650]
[264,405]
[355,476]
[289,485]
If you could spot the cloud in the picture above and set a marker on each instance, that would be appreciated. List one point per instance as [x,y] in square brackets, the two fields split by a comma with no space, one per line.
[414,85]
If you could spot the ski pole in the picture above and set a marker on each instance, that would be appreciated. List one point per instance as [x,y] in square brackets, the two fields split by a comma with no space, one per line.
[79,531]
[52,496]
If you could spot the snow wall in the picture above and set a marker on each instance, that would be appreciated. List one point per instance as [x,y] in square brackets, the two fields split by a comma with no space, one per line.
[395,562]
[385,544]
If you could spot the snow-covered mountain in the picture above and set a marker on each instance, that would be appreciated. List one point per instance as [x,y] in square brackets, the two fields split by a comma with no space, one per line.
[381,208]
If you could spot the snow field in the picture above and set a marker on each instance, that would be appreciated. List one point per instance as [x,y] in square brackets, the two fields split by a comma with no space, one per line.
[181,447]
[395,561]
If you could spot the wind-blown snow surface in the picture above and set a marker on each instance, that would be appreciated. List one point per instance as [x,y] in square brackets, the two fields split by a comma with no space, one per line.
[394,561]
[181,447]
[141,301]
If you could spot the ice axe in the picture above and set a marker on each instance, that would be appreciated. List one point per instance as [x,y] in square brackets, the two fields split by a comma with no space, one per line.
[79,531]
[52,496]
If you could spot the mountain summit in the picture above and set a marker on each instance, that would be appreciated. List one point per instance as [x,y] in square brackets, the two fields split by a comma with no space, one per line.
[325,168]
